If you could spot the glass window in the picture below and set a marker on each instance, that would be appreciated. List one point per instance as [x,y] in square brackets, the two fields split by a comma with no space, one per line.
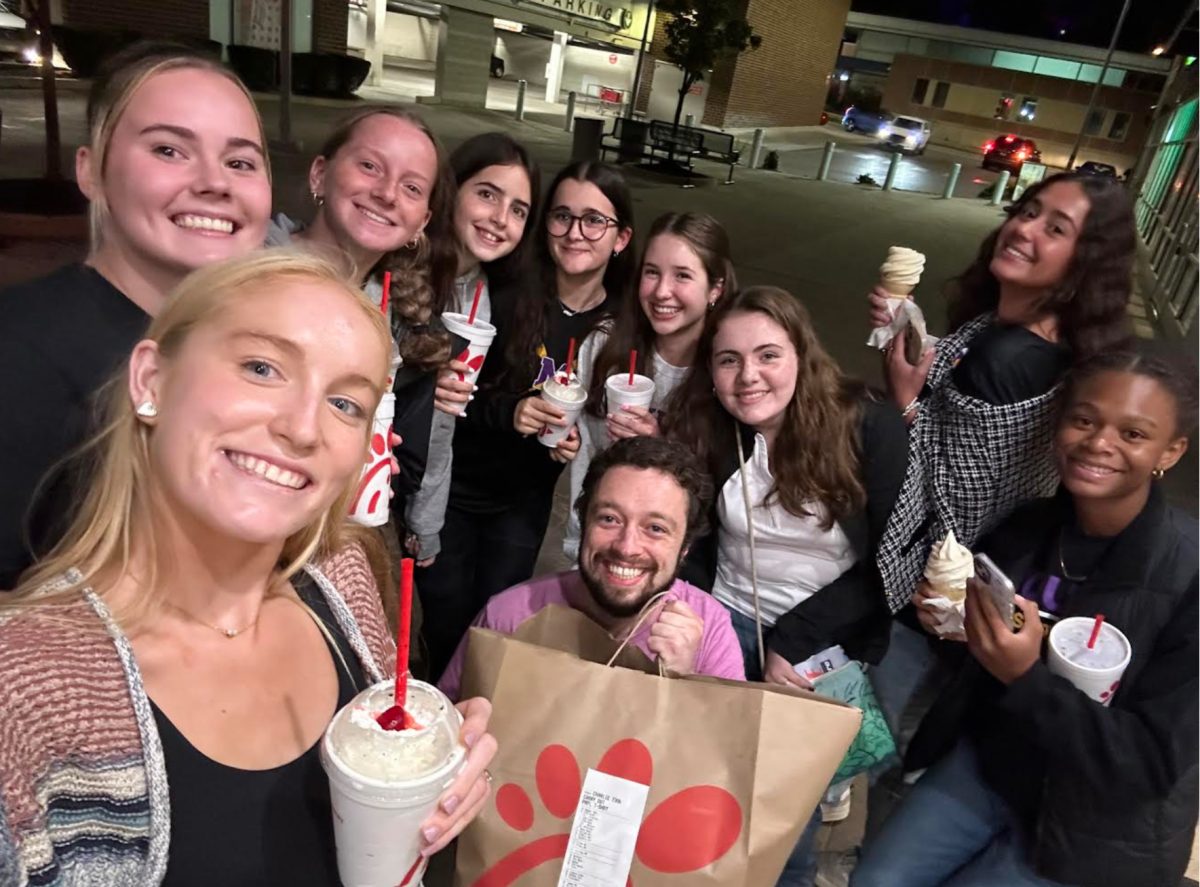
[1028,110]
[940,93]
[1052,67]
[1120,126]
[1014,61]
[919,89]
[1091,73]
[1094,124]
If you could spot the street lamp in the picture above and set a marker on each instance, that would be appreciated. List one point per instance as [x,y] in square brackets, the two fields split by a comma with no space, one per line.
[1112,45]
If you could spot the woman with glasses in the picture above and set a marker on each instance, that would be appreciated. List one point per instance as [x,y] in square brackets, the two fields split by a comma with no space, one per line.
[503,479]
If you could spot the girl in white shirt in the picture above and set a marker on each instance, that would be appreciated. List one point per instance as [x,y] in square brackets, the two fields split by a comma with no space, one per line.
[685,270]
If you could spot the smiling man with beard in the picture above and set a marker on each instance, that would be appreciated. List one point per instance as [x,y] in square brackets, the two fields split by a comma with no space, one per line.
[642,503]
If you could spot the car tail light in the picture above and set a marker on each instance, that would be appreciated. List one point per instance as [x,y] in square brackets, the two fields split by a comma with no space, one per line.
[989,147]
[1022,154]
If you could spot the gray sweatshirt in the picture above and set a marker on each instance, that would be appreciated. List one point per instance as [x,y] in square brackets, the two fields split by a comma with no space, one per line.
[425,513]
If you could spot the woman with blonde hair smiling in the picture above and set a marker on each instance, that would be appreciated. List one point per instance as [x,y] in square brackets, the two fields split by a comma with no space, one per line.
[176,170]
[171,664]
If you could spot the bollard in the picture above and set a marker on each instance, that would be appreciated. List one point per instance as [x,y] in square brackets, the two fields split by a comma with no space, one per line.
[521,84]
[893,168]
[826,160]
[756,149]
[569,126]
[689,120]
[1000,187]
[951,181]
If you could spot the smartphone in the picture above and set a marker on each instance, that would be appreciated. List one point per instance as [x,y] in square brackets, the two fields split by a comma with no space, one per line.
[999,587]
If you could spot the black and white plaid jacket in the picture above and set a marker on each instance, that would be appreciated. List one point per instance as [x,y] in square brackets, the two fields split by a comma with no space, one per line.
[969,464]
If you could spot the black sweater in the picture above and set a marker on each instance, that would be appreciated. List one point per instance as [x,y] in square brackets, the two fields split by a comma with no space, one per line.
[62,337]
[1109,795]
[495,468]
[851,610]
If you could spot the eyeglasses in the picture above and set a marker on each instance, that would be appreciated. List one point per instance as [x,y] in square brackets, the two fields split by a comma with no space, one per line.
[591,225]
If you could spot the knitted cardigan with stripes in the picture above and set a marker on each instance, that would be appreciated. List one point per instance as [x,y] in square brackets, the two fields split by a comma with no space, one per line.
[83,787]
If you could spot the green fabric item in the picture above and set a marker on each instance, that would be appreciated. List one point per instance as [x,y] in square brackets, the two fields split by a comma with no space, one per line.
[874,742]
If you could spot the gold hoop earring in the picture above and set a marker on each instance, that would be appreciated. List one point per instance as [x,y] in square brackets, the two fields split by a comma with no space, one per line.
[415,243]
[1158,473]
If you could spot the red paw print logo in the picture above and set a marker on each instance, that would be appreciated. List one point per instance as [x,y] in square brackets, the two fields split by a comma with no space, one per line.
[475,363]
[691,829]
[1107,694]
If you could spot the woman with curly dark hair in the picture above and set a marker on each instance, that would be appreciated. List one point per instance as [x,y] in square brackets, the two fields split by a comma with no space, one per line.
[384,195]
[1049,287]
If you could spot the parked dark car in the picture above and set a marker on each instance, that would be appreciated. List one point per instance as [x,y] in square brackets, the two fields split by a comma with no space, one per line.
[858,120]
[1096,168]
[1009,152]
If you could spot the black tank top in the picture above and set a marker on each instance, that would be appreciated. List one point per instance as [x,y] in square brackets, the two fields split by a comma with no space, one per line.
[238,828]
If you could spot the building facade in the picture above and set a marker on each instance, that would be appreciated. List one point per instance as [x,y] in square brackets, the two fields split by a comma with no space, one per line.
[974,85]
[1168,206]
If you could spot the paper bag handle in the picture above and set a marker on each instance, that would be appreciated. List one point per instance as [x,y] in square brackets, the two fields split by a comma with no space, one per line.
[636,625]
[758,628]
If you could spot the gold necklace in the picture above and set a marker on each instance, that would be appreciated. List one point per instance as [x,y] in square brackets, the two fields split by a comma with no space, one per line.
[230,633]
[1062,564]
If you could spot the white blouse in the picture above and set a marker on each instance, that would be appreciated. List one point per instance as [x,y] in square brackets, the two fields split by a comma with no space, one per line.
[795,556]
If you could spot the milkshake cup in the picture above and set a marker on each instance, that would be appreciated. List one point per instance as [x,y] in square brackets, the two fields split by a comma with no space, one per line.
[479,337]
[568,395]
[383,784]
[371,501]
[622,394]
[1097,672]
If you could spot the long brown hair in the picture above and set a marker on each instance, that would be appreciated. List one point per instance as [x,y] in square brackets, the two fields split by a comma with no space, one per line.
[423,273]
[119,504]
[1091,301]
[817,452]
[631,330]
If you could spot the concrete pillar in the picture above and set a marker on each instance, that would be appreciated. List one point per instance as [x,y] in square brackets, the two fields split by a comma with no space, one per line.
[554,67]
[465,42]
[522,85]
[1000,187]
[893,168]
[756,147]
[376,27]
[951,181]
[569,120]
[826,160]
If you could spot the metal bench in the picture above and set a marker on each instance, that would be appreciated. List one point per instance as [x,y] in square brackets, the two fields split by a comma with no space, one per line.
[634,140]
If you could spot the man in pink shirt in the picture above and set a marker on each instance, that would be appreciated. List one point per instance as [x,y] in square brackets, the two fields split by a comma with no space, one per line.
[643,501]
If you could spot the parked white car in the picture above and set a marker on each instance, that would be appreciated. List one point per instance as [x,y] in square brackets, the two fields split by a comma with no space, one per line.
[908,134]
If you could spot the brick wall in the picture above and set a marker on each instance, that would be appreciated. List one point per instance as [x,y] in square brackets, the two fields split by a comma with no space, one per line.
[784,81]
[329,25]
[154,18]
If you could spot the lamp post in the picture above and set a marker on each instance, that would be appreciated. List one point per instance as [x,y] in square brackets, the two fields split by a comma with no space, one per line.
[1112,45]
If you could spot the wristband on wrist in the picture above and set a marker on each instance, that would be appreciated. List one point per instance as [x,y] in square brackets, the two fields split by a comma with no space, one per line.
[911,409]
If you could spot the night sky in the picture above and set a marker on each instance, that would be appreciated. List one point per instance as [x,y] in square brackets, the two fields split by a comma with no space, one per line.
[1085,21]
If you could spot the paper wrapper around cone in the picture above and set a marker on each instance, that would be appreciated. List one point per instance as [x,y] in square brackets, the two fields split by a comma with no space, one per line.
[728,797]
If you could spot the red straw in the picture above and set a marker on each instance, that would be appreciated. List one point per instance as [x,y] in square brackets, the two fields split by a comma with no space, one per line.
[405,620]
[1096,630]
[475,303]
[632,365]
[570,358]
[387,292]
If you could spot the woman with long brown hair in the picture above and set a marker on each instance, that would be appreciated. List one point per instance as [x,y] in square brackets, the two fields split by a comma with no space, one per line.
[807,463]
[686,269]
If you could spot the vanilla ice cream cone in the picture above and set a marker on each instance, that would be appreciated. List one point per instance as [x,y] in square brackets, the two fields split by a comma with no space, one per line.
[897,289]
[901,271]
[949,567]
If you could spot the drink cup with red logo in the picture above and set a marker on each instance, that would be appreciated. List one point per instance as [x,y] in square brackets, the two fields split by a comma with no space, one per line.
[372,499]
[1096,671]
[479,337]
[569,396]
[383,784]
